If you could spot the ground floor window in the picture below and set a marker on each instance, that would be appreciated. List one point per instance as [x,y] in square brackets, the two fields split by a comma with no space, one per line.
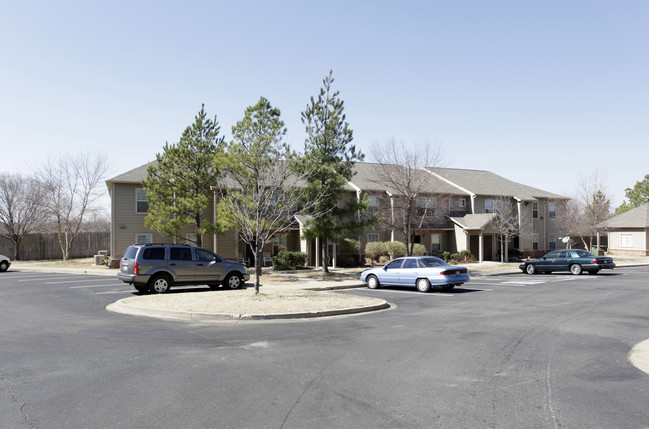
[535,242]
[552,241]
[372,237]
[626,240]
[279,243]
[435,242]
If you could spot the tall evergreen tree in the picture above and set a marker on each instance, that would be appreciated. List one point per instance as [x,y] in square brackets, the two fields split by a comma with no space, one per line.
[329,159]
[178,185]
[636,196]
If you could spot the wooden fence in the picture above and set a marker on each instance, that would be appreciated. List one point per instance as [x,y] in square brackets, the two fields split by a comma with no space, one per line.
[46,246]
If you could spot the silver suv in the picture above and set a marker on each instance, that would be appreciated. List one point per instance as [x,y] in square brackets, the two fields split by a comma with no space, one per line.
[155,268]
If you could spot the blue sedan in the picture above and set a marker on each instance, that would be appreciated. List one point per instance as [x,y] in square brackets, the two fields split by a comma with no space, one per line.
[421,272]
[574,260]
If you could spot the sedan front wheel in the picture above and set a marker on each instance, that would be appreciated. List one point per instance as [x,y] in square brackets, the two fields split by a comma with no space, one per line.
[530,269]
[372,282]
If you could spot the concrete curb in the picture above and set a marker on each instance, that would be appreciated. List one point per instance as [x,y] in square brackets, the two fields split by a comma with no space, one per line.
[123,307]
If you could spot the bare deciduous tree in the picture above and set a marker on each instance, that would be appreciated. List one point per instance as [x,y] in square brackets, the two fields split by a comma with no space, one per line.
[21,209]
[508,222]
[409,200]
[586,210]
[70,186]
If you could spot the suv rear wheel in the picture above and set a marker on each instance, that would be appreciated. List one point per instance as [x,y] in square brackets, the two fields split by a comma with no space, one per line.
[160,283]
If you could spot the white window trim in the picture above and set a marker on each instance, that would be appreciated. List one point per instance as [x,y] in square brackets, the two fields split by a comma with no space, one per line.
[626,240]
[372,235]
[148,240]
[137,190]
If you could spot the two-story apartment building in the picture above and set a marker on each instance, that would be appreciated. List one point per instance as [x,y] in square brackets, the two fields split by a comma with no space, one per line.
[457,208]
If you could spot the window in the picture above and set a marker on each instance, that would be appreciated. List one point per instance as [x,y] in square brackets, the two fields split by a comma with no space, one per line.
[461,202]
[192,239]
[143,239]
[180,253]
[372,237]
[493,206]
[535,210]
[552,241]
[395,264]
[410,263]
[154,253]
[435,242]
[425,206]
[374,203]
[552,211]
[205,255]
[141,204]
[535,241]
[626,240]
[279,243]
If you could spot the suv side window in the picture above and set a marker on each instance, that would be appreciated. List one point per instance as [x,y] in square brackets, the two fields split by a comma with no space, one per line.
[154,253]
[204,255]
[180,253]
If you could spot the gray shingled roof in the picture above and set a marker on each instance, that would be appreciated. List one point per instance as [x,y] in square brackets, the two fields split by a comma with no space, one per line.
[368,178]
[482,182]
[635,218]
[137,175]
[474,221]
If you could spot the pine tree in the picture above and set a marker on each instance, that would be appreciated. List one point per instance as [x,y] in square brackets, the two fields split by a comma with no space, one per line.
[178,185]
[329,159]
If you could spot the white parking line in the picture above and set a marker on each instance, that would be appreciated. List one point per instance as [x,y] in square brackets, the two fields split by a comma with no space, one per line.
[85,286]
[72,281]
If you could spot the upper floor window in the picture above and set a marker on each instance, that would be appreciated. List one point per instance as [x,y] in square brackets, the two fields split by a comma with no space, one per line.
[461,202]
[535,210]
[141,204]
[374,202]
[426,206]
[552,211]
[493,206]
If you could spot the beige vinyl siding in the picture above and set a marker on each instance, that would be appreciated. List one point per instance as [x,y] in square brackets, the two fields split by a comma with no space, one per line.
[638,238]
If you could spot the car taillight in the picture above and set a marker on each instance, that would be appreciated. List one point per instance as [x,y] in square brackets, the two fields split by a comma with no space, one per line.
[452,271]
[136,269]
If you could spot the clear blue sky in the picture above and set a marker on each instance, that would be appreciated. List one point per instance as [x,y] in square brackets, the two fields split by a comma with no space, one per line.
[538,92]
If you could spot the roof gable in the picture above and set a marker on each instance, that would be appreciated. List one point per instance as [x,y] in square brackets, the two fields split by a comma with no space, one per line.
[635,218]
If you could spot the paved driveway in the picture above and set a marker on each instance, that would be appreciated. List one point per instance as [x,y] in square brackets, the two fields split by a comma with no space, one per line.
[510,351]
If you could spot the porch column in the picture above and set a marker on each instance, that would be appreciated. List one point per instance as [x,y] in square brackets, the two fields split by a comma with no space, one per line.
[334,256]
[598,242]
[317,252]
[481,247]
[506,255]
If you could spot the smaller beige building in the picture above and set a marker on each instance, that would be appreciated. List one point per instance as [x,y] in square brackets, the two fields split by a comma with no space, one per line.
[628,233]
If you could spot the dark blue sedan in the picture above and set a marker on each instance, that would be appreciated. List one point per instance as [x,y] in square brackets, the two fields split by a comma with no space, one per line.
[421,272]
[574,260]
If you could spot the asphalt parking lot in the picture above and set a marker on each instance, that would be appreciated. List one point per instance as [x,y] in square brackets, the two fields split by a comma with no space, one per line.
[504,351]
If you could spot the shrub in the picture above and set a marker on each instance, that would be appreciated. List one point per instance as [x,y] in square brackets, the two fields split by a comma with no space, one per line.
[396,249]
[286,260]
[418,249]
[375,249]
[446,255]
[349,247]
